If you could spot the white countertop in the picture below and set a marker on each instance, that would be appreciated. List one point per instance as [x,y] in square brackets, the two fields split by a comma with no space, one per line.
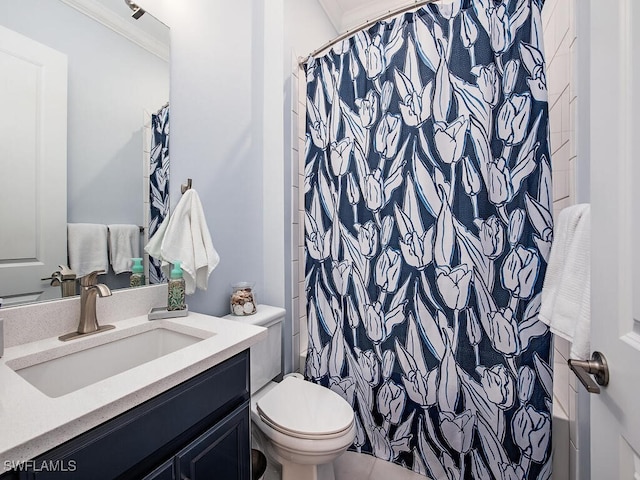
[32,423]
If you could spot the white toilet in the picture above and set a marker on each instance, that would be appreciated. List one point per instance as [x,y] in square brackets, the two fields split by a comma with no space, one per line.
[305,426]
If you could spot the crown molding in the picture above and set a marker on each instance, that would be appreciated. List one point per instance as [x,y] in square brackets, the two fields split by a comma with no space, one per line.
[113,21]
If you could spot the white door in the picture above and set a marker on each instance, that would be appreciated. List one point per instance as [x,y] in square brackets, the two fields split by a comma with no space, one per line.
[615,200]
[33,167]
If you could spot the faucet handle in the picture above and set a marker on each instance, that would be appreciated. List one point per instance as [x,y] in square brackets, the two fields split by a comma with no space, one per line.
[91,279]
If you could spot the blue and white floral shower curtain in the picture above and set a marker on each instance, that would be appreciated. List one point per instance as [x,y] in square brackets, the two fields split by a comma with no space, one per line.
[428,227]
[158,183]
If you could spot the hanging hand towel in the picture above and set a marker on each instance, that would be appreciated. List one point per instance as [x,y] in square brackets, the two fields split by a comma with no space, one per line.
[154,247]
[87,246]
[566,292]
[124,244]
[186,239]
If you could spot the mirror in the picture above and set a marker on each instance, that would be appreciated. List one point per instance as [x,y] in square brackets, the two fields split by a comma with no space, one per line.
[117,76]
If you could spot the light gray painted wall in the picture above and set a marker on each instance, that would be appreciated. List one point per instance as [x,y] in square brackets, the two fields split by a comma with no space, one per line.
[230,132]
[217,138]
[107,74]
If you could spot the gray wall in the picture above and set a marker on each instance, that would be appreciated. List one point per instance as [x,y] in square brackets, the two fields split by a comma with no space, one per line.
[227,134]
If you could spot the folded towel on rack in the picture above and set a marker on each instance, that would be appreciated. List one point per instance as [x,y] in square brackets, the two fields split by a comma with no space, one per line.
[566,291]
[124,244]
[184,237]
[87,248]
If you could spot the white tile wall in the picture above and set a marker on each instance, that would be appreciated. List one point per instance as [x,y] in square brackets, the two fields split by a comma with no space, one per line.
[298,129]
[561,47]
[146,164]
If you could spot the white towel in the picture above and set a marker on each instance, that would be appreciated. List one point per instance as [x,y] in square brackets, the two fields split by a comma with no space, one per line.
[87,248]
[184,237]
[154,247]
[124,244]
[566,291]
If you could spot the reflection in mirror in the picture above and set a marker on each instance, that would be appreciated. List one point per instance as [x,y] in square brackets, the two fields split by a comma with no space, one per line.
[85,79]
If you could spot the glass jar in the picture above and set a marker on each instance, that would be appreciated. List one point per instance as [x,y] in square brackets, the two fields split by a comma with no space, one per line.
[243,300]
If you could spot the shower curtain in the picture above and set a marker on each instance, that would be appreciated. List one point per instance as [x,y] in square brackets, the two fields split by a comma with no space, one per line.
[158,183]
[427,229]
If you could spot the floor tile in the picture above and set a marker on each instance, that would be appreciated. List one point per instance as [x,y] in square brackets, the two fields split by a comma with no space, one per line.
[386,470]
[354,466]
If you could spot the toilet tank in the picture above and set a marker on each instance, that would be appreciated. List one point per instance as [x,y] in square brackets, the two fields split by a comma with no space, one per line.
[266,356]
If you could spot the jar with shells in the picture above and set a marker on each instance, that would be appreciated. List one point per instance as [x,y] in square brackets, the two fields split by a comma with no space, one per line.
[243,300]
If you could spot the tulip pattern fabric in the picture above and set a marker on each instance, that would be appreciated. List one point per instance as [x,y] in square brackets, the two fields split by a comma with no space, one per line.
[427,231]
[158,183]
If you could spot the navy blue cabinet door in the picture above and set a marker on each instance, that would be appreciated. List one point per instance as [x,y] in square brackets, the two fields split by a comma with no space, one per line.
[221,453]
[166,471]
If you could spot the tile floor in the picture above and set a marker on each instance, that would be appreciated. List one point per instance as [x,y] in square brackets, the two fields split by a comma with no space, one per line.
[357,466]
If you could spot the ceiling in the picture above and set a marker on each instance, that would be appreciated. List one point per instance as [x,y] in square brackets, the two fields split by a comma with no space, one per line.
[347,14]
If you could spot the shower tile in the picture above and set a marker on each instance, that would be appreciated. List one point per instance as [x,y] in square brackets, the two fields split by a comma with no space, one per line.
[573,120]
[301,230]
[295,312]
[295,124]
[296,353]
[573,417]
[295,249]
[302,325]
[561,373]
[295,202]
[295,93]
[294,274]
[560,159]
[301,152]
[295,167]
[561,19]
[559,205]
[565,113]
[561,184]
[303,295]
[574,470]
[301,196]
[301,266]
[555,117]
[572,179]
[562,346]
[302,120]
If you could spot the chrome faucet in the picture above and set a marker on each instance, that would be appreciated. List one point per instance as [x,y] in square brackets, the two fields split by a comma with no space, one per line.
[90,289]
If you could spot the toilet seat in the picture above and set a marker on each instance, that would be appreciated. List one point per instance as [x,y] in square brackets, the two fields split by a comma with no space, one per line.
[304,410]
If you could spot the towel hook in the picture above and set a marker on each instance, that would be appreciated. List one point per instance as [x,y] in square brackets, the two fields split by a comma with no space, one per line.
[185,186]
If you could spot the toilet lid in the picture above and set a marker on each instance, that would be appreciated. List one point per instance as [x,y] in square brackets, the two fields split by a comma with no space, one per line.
[305,410]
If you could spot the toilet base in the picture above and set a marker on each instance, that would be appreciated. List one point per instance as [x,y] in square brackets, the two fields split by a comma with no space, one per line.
[281,469]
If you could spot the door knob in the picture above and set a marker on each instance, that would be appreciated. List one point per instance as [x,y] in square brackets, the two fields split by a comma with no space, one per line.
[597,367]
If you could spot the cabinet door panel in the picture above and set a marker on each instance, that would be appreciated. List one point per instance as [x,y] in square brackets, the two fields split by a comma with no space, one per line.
[221,453]
[166,471]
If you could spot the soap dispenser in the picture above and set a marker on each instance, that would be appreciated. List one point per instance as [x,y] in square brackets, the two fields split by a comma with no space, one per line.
[175,300]
[137,273]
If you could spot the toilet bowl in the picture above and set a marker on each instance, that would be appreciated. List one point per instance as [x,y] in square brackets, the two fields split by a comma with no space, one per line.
[299,425]
[306,427]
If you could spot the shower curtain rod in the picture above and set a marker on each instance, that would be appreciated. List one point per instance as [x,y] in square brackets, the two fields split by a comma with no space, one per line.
[364,25]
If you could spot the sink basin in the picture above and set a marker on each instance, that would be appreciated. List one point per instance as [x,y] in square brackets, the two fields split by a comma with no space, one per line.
[71,372]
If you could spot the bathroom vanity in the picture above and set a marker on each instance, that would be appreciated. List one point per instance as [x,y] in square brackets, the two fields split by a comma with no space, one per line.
[198,427]
[159,400]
